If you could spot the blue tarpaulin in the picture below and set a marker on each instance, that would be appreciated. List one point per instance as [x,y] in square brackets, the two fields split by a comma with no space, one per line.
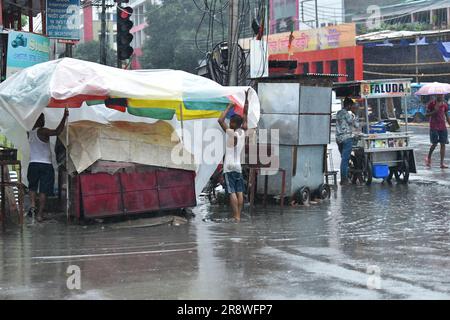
[444,47]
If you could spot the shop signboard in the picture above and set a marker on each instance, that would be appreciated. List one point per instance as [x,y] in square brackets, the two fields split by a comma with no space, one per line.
[315,39]
[25,50]
[63,19]
[385,89]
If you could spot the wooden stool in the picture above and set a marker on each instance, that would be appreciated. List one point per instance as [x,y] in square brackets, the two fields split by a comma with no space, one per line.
[4,182]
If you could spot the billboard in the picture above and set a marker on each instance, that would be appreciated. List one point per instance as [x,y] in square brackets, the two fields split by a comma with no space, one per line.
[63,19]
[315,39]
[25,50]
[283,15]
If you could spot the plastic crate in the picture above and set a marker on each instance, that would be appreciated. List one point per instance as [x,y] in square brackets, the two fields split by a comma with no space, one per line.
[380,171]
[377,128]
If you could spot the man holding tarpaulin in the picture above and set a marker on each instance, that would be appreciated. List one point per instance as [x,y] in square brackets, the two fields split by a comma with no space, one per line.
[41,174]
[232,169]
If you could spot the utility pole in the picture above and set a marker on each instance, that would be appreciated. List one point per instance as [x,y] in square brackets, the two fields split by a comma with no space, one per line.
[233,41]
[69,51]
[103,34]
[119,62]
[417,59]
[317,14]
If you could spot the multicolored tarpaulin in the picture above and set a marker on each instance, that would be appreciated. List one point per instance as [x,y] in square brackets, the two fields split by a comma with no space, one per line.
[186,109]
[157,94]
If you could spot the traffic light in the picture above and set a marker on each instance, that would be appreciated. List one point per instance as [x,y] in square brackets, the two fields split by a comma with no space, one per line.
[124,37]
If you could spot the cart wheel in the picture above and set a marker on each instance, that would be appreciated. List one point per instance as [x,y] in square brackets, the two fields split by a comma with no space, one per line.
[324,191]
[303,196]
[356,166]
[402,171]
[368,172]
[353,169]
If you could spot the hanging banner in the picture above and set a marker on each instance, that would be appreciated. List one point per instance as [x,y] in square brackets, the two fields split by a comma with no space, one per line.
[385,89]
[63,19]
[315,39]
[25,50]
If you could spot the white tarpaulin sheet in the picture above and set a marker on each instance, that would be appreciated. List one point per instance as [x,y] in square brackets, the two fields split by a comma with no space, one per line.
[143,143]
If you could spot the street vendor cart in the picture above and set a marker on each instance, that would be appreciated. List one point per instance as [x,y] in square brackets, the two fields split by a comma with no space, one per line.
[383,149]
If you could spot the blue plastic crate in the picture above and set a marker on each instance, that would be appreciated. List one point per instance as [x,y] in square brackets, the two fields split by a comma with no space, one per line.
[380,171]
[377,128]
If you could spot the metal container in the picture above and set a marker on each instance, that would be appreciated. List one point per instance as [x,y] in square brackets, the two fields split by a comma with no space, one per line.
[310,168]
[286,126]
[301,112]
[314,130]
[281,98]
[315,100]
[304,165]
[286,158]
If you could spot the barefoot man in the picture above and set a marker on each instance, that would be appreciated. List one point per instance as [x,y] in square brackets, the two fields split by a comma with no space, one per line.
[235,142]
[41,175]
[437,110]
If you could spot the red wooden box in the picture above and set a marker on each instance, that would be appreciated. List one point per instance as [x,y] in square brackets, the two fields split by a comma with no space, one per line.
[103,195]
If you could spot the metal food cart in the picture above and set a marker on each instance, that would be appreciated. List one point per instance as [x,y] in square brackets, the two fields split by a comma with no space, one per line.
[298,108]
[378,153]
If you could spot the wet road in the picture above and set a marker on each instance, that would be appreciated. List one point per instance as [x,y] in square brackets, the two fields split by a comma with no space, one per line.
[378,242]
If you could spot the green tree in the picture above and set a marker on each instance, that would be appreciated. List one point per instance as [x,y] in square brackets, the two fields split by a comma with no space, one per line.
[24,21]
[90,51]
[171,34]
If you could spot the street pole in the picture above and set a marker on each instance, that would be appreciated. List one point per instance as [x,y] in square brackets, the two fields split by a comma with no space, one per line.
[303,13]
[119,62]
[69,51]
[103,34]
[317,14]
[417,60]
[233,40]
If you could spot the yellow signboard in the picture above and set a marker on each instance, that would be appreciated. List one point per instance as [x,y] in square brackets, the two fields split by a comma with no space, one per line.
[315,39]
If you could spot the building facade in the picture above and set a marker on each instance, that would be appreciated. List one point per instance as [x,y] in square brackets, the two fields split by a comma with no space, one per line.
[138,30]
[91,25]
[301,14]
[378,14]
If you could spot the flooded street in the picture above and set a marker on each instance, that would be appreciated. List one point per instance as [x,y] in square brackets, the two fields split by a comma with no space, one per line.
[378,242]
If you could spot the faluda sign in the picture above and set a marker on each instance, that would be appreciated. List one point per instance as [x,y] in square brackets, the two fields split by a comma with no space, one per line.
[385,89]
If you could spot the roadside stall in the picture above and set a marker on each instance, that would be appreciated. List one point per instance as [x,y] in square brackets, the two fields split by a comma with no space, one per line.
[382,150]
[124,127]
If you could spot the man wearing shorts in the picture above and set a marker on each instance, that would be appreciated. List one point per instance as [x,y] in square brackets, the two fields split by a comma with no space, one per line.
[41,175]
[437,110]
[235,142]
